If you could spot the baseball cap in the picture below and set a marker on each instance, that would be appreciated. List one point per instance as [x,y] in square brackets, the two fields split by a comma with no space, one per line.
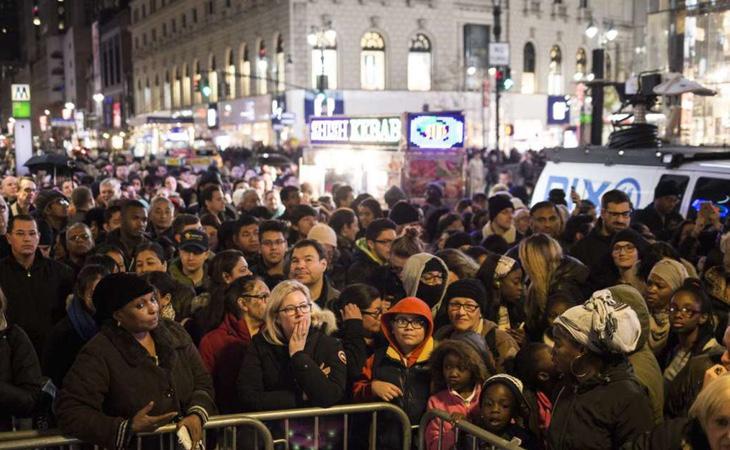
[195,241]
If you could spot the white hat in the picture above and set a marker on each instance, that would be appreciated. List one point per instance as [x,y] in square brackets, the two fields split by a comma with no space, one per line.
[323,234]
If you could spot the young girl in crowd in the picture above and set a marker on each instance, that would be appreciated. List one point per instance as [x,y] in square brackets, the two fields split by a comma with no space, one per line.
[665,277]
[503,411]
[457,373]
[692,328]
[535,367]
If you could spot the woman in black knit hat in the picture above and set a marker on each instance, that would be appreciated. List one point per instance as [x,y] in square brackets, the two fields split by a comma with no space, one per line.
[138,373]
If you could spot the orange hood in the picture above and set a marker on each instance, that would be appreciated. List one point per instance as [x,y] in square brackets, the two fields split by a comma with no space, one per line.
[415,306]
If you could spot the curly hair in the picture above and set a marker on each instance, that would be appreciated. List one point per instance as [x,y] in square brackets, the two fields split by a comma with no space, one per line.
[470,359]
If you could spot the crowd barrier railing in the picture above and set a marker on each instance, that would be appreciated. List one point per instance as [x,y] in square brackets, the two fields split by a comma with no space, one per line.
[32,439]
[462,426]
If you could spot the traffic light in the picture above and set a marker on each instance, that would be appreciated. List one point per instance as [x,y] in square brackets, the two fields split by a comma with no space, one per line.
[200,84]
[504,79]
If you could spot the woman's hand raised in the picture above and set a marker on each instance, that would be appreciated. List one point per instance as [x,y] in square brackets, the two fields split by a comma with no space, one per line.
[298,337]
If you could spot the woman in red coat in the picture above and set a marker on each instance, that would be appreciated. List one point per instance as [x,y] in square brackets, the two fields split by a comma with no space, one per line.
[223,348]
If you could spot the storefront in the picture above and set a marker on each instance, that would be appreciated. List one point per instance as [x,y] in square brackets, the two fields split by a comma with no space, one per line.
[435,153]
[360,151]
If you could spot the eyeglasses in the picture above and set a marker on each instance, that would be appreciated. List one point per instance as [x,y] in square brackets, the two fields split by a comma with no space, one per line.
[403,323]
[79,237]
[374,314]
[434,278]
[263,297]
[618,249]
[684,311]
[617,214]
[468,307]
[275,243]
[290,311]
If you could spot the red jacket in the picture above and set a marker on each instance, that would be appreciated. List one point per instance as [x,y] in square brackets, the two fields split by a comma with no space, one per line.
[222,351]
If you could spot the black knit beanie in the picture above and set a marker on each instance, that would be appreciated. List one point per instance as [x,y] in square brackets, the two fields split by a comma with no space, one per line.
[468,288]
[114,291]
[497,204]
[404,213]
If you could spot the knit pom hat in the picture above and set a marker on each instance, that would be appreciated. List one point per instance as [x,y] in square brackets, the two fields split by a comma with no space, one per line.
[404,213]
[114,291]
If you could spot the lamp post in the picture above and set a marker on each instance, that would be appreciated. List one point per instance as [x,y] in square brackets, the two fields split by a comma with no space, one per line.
[321,38]
[497,17]
[598,60]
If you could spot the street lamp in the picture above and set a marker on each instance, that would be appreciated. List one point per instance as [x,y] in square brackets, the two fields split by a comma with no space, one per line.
[321,38]
[69,106]
[98,97]
[591,30]
[612,33]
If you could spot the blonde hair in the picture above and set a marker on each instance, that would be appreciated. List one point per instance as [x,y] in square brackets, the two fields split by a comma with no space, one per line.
[540,256]
[710,400]
[273,333]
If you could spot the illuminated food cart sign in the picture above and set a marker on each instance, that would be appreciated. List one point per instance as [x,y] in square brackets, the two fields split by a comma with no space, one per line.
[380,131]
[436,131]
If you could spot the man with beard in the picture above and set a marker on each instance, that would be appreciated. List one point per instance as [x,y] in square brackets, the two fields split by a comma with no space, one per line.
[595,249]
[308,266]
[272,237]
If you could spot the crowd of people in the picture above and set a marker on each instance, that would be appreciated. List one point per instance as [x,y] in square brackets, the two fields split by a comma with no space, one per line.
[141,297]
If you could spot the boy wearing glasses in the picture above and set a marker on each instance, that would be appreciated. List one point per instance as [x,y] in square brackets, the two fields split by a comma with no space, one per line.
[399,373]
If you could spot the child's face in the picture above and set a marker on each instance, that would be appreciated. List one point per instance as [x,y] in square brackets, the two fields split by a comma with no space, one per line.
[457,376]
[409,330]
[555,309]
[512,287]
[497,407]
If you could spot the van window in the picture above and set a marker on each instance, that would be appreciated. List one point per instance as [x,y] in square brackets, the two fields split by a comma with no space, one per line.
[681,181]
[714,190]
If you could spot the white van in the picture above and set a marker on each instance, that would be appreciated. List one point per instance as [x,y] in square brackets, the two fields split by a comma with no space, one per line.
[703,173]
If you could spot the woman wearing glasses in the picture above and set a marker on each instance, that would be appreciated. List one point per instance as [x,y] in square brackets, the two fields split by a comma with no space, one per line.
[293,362]
[138,373]
[691,328]
[223,349]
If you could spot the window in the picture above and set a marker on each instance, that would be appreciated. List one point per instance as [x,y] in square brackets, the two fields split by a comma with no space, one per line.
[245,72]
[211,8]
[476,52]
[419,63]
[136,42]
[154,35]
[195,15]
[144,39]
[230,84]
[555,71]
[144,10]
[529,64]
[262,70]
[213,79]
[372,61]
[164,30]
[280,65]
[174,25]
[197,96]
[184,20]
[176,85]
[167,92]
[186,86]
[136,15]
[581,64]
[324,59]
[583,4]
[147,96]
[608,74]
[710,190]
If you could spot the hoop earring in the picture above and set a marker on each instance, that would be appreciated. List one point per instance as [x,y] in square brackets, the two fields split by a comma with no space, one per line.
[572,370]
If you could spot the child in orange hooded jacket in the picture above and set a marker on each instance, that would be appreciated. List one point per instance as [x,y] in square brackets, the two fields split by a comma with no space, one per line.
[400,373]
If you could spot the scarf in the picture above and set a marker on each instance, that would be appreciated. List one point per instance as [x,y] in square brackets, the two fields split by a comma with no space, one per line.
[81,320]
[658,331]
[510,235]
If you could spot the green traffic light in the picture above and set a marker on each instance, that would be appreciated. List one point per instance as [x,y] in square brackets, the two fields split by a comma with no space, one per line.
[205,90]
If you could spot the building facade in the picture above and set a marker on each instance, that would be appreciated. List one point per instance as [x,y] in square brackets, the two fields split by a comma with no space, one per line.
[252,60]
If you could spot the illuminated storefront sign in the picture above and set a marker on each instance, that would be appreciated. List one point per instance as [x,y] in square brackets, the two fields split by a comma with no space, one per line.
[436,131]
[381,131]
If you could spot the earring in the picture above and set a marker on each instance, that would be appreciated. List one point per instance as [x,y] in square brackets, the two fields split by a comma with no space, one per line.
[572,370]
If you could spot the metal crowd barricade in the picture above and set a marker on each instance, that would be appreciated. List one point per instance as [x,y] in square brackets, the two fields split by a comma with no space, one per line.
[167,436]
[33,439]
[461,426]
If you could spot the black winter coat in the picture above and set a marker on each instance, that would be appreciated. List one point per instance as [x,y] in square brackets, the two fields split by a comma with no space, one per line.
[271,379]
[114,377]
[20,376]
[362,269]
[594,251]
[685,387]
[36,297]
[663,227]
[601,413]
[60,352]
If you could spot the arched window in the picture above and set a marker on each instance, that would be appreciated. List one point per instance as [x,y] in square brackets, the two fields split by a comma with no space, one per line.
[529,64]
[197,76]
[213,78]
[176,84]
[280,65]
[262,70]
[185,87]
[555,71]
[167,92]
[581,64]
[157,99]
[230,78]
[324,58]
[147,96]
[245,71]
[608,75]
[372,61]
[419,63]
